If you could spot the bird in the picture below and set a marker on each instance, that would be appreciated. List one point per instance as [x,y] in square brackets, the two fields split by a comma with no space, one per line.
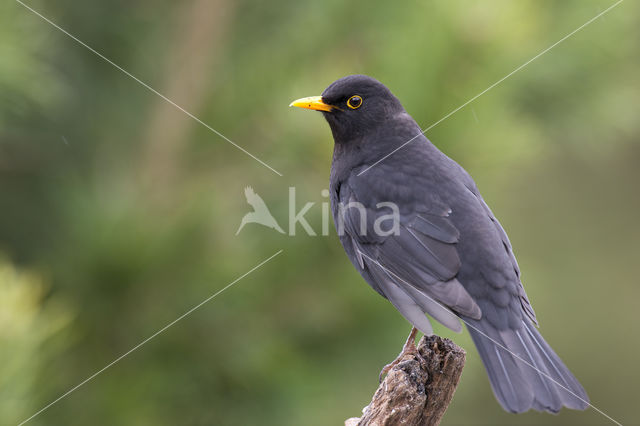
[260,213]
[448,256]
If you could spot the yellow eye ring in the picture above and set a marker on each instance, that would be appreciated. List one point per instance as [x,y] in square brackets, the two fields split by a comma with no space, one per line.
[355,102]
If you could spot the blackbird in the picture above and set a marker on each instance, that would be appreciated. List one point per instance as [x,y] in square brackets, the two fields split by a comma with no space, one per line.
[415,226]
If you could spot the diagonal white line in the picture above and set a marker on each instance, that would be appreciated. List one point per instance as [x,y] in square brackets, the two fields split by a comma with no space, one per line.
[150,337]
[492,86]
[497,343]
[145,85]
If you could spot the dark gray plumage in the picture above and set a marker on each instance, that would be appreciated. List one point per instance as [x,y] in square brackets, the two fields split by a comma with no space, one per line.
[451,258]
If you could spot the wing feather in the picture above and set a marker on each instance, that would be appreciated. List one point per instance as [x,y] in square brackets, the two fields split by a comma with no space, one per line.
[416,267]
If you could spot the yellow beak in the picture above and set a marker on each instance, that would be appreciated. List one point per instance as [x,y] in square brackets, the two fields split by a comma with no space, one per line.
[312,102]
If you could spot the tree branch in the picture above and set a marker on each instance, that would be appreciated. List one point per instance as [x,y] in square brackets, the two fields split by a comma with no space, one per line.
[419,389]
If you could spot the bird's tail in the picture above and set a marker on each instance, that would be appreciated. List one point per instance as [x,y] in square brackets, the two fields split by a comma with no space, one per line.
[524,371]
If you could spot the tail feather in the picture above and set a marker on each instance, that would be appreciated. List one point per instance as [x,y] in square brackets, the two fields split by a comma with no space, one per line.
[524,371]
[571,392]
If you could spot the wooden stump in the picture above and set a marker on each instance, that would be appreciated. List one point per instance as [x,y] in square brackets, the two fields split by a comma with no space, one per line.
[419,389]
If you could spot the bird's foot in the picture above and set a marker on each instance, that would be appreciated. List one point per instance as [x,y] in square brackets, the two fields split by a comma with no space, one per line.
[409,348]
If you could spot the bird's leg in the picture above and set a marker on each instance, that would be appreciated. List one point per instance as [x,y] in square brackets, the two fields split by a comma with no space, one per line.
[409,348]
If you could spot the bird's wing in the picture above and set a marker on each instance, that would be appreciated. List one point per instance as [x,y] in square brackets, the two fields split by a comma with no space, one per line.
[522,295]
[416,266]
[254,200]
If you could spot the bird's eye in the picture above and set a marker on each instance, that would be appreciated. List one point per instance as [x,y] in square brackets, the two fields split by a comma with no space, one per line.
[354,102]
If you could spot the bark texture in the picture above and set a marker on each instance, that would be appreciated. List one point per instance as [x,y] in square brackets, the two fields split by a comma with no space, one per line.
[418,390]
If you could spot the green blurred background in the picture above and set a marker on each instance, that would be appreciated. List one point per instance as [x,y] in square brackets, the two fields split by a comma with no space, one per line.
[118,212]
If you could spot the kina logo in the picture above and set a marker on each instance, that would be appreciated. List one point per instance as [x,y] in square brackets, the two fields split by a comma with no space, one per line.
[260,214]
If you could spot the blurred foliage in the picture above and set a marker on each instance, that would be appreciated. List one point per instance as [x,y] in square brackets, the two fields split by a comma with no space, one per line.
[128,208]
[30,335]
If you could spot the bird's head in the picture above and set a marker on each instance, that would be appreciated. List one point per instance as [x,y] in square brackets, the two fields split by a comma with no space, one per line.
[353,106]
